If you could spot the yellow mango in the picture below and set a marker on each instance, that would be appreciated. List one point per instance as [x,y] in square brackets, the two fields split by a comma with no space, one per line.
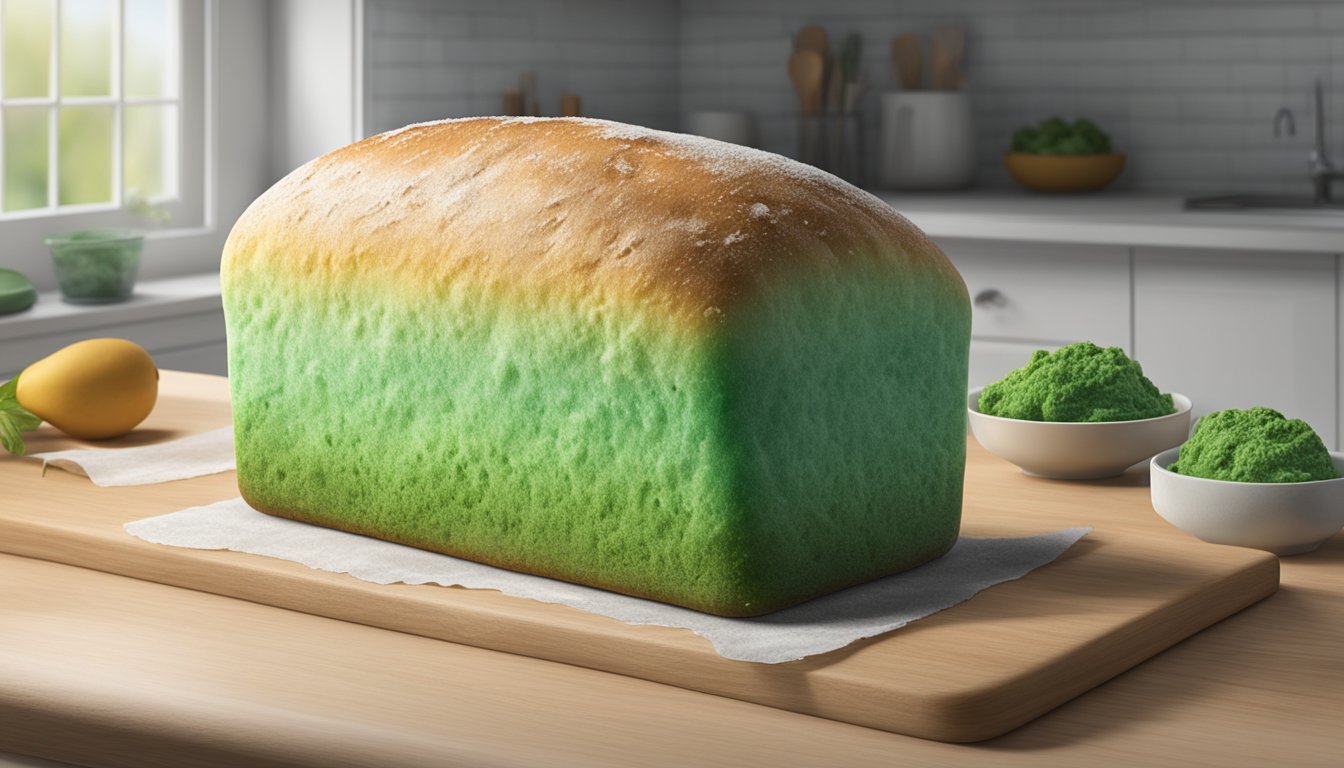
[92,389]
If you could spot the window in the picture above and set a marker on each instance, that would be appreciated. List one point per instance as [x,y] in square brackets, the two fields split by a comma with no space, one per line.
[92,106]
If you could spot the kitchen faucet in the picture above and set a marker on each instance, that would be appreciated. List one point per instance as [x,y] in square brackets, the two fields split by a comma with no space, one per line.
[1322,171]
[1282,118]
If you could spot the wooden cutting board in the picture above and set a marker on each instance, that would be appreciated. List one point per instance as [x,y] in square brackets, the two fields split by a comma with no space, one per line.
[1132,588]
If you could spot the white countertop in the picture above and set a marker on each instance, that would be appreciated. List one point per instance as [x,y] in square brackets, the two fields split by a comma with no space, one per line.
[1115,219]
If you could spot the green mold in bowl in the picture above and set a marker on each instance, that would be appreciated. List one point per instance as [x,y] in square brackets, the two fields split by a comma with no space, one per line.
[16,292]
[95,266]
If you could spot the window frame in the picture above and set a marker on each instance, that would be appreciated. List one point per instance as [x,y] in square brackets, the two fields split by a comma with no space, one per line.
[191,206]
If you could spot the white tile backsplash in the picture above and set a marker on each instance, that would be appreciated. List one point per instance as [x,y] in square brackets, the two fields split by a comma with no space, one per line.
[430,59]
[1187,88]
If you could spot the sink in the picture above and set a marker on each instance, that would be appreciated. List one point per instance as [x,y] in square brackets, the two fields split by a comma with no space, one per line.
[1262,204]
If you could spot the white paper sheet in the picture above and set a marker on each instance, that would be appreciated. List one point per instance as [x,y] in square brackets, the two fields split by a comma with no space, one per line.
[815,627]
[204,454]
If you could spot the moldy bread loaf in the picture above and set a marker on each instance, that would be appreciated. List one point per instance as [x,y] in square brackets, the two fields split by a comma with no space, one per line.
[641,361]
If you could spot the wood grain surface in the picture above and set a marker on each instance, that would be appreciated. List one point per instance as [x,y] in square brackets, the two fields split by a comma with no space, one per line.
[1132,588]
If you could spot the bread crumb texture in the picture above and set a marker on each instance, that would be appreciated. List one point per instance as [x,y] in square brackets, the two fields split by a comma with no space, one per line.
[644,362]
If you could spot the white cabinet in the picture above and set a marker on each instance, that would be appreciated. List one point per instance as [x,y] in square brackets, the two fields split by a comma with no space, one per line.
[992,360]
[1045,292]
[1030,296]
[1239,329]
[179,320]
[212,357]
[1230,329]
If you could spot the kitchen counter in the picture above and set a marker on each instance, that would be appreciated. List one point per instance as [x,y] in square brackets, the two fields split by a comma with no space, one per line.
[98,669]
[180,320]
[153,300]
[1115,219]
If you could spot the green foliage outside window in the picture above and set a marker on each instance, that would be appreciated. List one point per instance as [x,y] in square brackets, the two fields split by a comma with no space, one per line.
[85,133]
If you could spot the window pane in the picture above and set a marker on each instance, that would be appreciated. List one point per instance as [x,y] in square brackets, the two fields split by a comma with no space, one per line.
[26,157]
[85,160]
[150,141]
[150,52]
[86,47]
[27,25]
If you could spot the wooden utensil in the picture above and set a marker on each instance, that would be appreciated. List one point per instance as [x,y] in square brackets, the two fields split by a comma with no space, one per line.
[806,69]
[812,38]
[835,85]
[907,61]
[949,50]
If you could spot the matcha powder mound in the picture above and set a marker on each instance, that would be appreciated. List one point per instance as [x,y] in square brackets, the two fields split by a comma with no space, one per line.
[1257,445]
[1080,382]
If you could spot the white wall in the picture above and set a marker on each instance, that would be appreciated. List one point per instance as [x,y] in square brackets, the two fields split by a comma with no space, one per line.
[313,87]
[242,133]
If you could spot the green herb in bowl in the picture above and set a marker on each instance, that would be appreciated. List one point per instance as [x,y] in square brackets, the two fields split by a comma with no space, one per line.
[1079,382]
[1057,137]
[1255,445]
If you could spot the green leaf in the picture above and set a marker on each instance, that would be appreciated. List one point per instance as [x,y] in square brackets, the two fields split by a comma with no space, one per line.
[9,390]
[9,435]
[23,420]
[14,418]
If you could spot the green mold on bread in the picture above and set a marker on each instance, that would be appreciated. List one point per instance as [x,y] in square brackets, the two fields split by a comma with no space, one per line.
[639,361]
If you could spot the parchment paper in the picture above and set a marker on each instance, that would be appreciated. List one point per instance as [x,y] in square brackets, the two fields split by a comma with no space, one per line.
[204,454]
[815,627]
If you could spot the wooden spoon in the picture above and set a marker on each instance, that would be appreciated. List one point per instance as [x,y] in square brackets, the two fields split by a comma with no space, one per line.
[812,38]
[949,50]
[805,70]
[907,61]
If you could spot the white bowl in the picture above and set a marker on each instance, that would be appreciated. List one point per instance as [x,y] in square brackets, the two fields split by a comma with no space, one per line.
[1283,518]
[1078,450]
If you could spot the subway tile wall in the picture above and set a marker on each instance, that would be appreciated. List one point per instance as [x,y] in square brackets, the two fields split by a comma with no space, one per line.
[1187,88]
[429,59]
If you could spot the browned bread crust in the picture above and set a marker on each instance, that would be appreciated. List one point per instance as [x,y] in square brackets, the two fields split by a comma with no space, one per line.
[673,222]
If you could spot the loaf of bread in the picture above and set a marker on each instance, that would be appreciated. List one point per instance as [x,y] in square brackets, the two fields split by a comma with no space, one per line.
[636,360]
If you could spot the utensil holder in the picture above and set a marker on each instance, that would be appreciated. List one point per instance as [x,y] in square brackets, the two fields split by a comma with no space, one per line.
[811,139]
[844,146]
[733,126]
[833,143]
[927,140]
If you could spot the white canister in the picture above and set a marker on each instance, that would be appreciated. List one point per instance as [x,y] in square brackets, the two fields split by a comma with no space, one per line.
[733,126]
[927,140]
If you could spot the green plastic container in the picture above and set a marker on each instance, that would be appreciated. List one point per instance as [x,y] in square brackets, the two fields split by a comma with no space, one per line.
[96,266]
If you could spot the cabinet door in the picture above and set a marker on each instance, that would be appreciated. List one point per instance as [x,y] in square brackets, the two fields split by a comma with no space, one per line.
[1048,291]
[1239,329]
[992,360]
[206,358]
[191,342]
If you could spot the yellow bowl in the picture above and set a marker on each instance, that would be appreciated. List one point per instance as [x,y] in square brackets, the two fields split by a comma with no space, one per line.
[1064,173]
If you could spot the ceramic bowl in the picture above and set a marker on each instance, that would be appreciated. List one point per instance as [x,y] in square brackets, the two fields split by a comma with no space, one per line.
[1283,518]
[1064,173]
[1078,450]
